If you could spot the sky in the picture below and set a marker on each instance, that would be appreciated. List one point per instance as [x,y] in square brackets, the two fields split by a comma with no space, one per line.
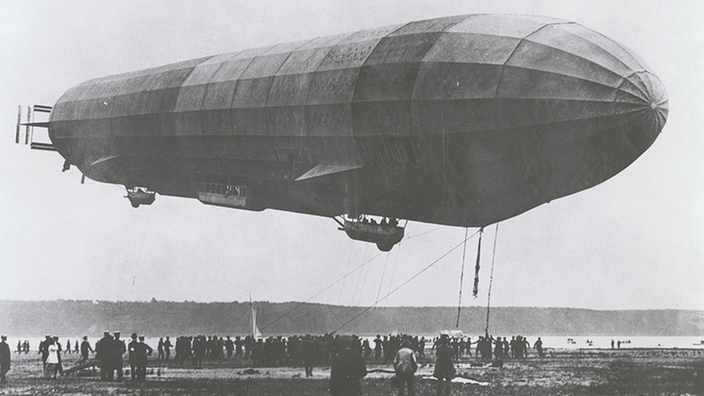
[634,242]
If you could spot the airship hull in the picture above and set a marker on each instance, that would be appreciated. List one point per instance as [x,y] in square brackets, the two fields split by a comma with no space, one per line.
[464,120]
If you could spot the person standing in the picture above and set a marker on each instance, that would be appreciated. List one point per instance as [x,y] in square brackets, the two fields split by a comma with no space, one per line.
[118,349]
[239,343]
[377,347]
[85,348]
[160,349]
[366,349]
[132,352]
[103,352]
[138,357]
[308,354]
[143,358]
[405,365]
[198,351]
[229,347]
[539,347]
[167,348]
[5,356]
[59,367]
[53,359]
[347,369]
[44,349]
[444,368]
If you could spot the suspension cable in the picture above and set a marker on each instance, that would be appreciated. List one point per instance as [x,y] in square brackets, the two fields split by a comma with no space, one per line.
[349,260]
[383,273]
[491,279]
[393,272]
[475,290]
[320,292]
[459,303]
[404,283]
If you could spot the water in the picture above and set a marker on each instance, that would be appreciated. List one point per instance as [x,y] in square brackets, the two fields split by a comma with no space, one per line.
[600,342]
[597,342]
[605,342]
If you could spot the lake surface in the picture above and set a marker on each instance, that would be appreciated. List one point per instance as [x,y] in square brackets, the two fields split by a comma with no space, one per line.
[577,342]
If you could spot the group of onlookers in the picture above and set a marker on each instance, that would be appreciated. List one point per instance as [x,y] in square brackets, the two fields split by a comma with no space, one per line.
[347,355]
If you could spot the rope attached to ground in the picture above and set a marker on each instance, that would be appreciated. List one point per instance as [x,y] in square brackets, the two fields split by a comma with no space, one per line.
[491,279]
[405,283]
[459,303]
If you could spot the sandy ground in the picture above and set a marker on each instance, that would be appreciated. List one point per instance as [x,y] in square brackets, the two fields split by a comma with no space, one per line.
[568,372]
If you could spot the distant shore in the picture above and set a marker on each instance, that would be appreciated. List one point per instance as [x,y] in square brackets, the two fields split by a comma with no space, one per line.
[157,318]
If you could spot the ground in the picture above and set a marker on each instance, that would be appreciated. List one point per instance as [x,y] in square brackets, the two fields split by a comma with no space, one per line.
[560,372]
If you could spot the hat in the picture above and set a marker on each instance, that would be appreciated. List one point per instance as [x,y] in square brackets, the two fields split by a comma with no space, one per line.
[106,332]
[141,338]
[3,337]
[116,332]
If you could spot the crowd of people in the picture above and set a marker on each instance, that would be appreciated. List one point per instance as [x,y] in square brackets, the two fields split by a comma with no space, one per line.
[489,348]
[346,355]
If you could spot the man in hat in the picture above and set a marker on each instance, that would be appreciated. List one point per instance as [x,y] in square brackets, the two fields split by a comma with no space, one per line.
[307,349]
[85,348]
[347,368]
[142,358]
[444,368]
[4,358]
[118,349]
[405,365]
[132,352]
[103,352]
[44,349]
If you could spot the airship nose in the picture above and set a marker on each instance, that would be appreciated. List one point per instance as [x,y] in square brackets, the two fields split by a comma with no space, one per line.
[646,93]
[657,96]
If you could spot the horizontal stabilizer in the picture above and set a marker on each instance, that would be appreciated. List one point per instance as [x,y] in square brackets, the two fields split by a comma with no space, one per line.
[42,146]
[325,170]
[36,124]
[103,159]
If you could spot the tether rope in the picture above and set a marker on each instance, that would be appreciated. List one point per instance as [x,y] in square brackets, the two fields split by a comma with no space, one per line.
[404,283]
[491,279]
[320,292]
[349,260]
[383,273]
[475,290]
[459,303]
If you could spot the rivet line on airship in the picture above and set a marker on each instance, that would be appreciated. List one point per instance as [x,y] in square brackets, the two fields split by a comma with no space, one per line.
[462,121]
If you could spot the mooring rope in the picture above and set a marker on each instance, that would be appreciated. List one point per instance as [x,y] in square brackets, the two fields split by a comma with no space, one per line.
[475,290]
[404,283]
[320,292]
[491,279]
[459,303]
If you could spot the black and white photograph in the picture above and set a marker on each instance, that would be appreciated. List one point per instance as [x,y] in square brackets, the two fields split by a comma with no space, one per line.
[312,197]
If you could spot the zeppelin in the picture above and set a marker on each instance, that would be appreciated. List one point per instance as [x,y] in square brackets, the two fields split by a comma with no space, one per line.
[461,121]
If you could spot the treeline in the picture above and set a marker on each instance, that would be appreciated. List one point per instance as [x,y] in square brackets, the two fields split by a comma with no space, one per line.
[77,318]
